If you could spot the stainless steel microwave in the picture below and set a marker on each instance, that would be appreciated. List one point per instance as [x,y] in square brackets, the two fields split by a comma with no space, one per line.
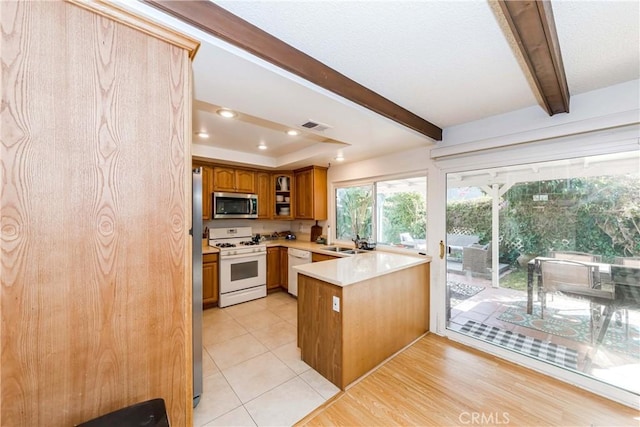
[235,205]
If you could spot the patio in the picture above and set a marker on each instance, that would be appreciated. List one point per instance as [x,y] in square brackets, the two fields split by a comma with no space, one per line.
[566,323]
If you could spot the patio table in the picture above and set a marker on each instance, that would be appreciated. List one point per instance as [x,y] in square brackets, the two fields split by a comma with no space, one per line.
[625,281]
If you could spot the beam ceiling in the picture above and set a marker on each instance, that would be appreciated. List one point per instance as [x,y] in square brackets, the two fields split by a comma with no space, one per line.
[533,27]
[220,23]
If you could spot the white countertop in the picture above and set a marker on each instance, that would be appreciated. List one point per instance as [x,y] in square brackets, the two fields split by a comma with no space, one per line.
[353,269]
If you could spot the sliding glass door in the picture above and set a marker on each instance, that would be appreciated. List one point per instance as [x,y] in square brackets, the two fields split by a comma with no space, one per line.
[544,259]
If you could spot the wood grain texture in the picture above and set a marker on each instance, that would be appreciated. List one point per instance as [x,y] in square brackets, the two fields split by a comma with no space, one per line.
[377,318]
[320,328]
[316,257]
[532,26]
[245,181]
[273,268]
[381,316]
[264,192]
[224,179]
[311,193]
[210,286]
[95,161]
[109,10]
[284,268]
[222,24]
[437,382]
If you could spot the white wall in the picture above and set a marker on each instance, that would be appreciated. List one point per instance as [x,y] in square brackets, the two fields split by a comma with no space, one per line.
[608,108]
[413,160]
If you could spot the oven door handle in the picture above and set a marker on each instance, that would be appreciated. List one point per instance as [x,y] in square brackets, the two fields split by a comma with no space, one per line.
[249,255]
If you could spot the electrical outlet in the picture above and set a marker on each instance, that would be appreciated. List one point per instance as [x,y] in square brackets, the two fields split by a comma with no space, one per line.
[336,304]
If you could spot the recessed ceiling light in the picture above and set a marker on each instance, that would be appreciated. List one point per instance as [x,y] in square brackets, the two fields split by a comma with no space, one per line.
[292,132]
[262,146]
[226,113]
[202,134]
[339,158]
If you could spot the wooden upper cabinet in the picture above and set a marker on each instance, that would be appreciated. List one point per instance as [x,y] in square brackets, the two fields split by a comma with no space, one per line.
[224,179]
[283,195]
[311,193]
[233,180]
[245,181]
[263,190]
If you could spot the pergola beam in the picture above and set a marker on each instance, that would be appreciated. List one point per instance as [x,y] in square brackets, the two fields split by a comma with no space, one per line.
[534,30]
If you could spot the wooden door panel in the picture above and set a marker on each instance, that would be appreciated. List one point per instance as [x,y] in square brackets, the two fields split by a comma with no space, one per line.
[95,217]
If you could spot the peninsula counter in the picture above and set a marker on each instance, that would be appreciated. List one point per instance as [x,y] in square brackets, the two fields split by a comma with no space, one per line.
[355,312]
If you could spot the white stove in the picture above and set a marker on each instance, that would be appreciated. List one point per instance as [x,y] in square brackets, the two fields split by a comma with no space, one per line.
[243,265]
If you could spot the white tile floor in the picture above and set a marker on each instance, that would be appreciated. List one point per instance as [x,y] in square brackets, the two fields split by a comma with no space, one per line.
[253,374]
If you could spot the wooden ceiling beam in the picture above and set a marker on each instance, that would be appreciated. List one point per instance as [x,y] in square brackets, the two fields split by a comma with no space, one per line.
[534,30]
[220,23]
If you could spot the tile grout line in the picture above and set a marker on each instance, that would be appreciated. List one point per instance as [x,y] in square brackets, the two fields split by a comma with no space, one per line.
[295,376]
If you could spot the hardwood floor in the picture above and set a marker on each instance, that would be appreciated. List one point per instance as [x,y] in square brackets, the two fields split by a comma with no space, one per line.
[439,382]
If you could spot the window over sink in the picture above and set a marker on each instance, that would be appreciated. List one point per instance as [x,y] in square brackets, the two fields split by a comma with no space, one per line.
[390,212]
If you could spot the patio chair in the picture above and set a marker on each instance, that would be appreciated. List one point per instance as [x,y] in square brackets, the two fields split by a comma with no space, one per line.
[576,256]
[477,258]
[577,280]
[407,241]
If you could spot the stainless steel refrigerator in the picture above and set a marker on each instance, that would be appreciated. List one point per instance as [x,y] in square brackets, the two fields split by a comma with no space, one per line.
[196,274]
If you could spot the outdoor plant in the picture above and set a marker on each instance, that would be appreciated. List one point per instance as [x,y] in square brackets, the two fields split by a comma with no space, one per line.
[354,212]
[598,215]
[404,213]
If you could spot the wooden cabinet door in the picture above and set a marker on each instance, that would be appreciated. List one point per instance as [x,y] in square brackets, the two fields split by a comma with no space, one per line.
[273,268]
[321,257]
[95,163]
[319,192]
[263,190]
[304,195]
[245,181]
[210,280]
[284,268]
[311,193]
[207,189]
[224,179]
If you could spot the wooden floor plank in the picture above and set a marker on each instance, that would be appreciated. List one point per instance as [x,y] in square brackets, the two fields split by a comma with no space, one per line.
[439,382]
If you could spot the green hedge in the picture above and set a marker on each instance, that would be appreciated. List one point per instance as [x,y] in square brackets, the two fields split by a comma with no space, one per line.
[596,215]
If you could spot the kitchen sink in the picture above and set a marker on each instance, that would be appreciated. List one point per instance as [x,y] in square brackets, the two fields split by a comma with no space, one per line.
[335,248]
[353,251]
[343,250]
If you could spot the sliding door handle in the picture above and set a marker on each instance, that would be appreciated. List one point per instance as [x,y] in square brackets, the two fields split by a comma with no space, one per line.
[441,249]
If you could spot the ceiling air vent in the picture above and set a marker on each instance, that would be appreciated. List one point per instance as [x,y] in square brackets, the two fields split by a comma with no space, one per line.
[320,127]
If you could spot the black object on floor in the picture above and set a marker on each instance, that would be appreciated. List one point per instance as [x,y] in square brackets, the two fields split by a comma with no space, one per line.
[151,413]
[549,352]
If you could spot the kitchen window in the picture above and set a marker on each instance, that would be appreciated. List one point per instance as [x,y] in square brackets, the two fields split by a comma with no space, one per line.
[390,212]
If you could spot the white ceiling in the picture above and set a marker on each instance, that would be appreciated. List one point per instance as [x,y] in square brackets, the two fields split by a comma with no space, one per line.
[446,61]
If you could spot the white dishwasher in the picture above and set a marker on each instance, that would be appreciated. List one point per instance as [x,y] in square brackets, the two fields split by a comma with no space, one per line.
[296,257]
